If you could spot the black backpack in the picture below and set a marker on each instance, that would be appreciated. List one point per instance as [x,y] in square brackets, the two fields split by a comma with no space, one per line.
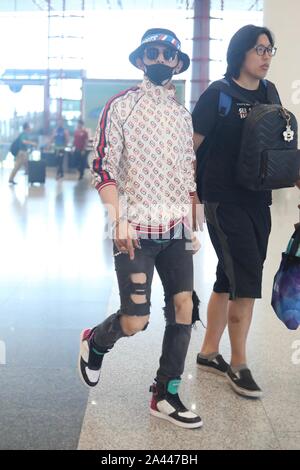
[15,147]
[224,106]
[268,158]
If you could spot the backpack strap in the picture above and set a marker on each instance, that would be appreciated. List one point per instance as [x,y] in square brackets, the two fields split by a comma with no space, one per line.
[225,102]
[225,89]
[227,93]
[272,93]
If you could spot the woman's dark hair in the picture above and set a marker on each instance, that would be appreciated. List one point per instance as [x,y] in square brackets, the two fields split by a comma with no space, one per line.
[241,42]
[25,126]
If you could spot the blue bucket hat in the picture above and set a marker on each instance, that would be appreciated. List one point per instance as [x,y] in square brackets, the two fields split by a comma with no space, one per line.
[164,37]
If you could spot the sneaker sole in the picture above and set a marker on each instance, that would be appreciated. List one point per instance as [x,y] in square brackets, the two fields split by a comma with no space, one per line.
[211,370]
[79,362]
[243,392]
[157,414]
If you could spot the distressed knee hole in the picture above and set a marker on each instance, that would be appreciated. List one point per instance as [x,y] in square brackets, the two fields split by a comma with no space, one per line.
[138,278]
[138,295]
[133,324]
[138,299]
[183,307]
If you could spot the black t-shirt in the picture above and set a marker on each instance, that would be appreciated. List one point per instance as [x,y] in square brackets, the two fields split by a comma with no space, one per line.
[224,140]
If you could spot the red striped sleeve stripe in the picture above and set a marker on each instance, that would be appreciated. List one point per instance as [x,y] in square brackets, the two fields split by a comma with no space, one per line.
[103,121]
[100,186]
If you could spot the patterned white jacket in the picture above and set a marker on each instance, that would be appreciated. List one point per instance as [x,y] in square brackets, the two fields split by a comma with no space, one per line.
[143,145]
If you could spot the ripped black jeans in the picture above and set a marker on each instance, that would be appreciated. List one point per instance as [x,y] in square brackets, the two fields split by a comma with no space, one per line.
[173,260]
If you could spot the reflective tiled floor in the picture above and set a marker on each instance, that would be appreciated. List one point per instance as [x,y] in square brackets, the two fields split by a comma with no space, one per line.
[56,276]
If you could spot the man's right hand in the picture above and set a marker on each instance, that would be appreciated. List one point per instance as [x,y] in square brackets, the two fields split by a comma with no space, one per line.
[125,238]
[198,214]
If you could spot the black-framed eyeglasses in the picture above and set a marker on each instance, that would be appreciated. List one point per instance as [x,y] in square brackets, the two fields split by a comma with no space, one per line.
[152,53]
[261,50]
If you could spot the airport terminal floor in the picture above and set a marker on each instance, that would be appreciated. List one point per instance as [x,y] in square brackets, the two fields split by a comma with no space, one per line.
[57,277]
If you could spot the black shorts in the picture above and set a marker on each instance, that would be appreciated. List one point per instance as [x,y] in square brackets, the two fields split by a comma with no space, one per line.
[240,238]
[173,261]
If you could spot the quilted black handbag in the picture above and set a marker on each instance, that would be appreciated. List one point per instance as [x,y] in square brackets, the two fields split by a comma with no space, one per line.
[268,157]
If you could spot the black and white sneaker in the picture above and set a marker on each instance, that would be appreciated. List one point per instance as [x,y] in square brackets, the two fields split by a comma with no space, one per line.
[216,365]
[166,404]
[90,360]
[243,383]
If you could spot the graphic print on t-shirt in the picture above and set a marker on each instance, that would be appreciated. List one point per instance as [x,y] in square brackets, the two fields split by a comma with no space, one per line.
[243,109]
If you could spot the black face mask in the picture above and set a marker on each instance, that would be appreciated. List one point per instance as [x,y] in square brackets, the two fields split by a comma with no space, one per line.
[159,74]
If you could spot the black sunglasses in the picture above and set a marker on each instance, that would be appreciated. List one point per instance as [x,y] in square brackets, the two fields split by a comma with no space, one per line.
[152,53]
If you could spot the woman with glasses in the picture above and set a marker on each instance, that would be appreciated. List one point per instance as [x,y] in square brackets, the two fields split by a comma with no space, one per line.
[238,219]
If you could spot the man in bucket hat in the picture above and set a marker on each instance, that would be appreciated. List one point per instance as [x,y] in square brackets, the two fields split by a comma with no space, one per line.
[146,56]
[143,171]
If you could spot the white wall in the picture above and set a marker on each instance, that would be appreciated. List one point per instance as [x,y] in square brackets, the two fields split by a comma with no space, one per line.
[283,18]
